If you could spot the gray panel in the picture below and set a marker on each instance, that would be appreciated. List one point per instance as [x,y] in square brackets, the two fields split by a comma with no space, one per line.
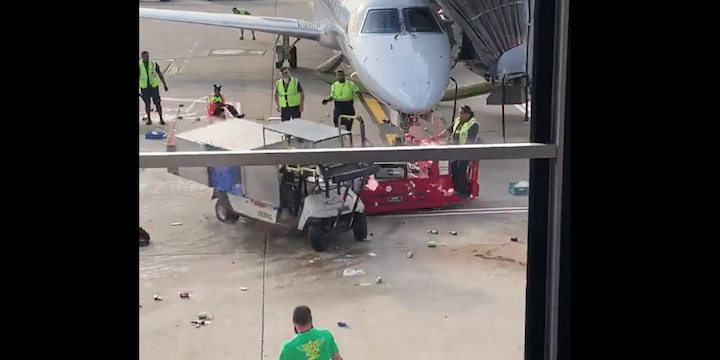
[262,183]
[304,129]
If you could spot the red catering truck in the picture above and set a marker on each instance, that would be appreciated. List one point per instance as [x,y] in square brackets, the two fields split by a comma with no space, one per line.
[403,186]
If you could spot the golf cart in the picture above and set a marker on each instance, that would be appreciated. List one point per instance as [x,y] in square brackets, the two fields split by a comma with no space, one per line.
[318,199]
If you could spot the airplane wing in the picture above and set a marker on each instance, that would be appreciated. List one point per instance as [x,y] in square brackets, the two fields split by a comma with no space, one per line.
[281,26]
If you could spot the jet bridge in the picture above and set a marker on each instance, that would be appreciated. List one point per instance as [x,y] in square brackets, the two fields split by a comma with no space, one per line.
[495,43]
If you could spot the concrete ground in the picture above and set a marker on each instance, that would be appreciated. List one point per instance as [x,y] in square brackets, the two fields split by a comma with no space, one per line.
[464,297]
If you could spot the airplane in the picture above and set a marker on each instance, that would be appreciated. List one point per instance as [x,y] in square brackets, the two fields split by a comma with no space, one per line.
[397,48]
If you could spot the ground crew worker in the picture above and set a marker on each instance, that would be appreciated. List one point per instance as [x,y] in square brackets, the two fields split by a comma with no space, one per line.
[343,92]
[308,343]
[150,77]
[464,130]
[289,96]
[243,12]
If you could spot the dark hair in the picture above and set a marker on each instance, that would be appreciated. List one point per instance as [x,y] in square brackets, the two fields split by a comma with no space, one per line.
[144,52]
[302,315]
[467,109]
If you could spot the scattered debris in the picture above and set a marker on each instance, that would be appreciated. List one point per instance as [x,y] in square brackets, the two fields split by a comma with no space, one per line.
[432,244]
[176,224]
[452,232]
[364,284]
[339,260]
[353,272]
[205,316]
[372,254]
[244,289]
[378,280]
[140,305]
[185,295]
[434,232]
[513,239]
[409,254]
[199,322]
[370,234]
[158,298]
[342,324]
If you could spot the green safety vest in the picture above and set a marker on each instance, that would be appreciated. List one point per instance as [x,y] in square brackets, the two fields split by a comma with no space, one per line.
[216,99]
[463,131]
[343,91]
[154,78]
[241,12]
[291,97]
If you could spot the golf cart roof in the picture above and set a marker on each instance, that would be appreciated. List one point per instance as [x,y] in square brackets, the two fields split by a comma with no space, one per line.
[231,134]
[305,129]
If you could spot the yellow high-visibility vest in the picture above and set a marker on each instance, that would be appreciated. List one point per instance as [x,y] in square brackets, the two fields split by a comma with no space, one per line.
[153,76]
[343,91]
[288,98]
[463,130]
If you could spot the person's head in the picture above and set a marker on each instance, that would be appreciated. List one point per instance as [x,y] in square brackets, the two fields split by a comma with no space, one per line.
[341,75]
[216,89]
[285,72]
[235,10]
[302,318]
[145,56]
[465,113]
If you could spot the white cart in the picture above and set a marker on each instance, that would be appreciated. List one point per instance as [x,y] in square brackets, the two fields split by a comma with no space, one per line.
[317,199]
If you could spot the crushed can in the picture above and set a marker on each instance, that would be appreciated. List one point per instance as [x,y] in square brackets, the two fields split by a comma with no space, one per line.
[184,295]
[432,244]
[342,324]
[378,280]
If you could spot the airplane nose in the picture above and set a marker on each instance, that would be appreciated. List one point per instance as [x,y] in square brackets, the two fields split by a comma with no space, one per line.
[411,74]
[419,89]
[420,80]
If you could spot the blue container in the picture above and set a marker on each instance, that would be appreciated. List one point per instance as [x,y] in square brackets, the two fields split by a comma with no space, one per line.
[225,178]
[155,135]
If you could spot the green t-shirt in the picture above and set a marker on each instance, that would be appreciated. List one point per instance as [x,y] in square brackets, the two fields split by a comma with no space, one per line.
[314,344]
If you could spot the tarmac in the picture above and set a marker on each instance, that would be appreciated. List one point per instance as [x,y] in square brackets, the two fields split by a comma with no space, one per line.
[462,298]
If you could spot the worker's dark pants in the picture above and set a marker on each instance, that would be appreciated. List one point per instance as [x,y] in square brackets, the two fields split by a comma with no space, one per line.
[343,108]
[288,113]
[458,170]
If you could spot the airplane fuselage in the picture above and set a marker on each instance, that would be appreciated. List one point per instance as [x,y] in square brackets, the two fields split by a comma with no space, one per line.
[397,48]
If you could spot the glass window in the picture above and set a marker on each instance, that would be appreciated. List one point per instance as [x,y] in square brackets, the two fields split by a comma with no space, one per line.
[382,21]
[420,19]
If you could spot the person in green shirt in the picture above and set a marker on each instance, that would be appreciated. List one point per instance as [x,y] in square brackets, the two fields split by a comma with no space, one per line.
[309,343]
[343,92]
[243,12]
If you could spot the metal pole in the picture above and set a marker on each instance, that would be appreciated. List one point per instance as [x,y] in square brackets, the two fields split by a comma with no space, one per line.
[556,169]
[502,102]
[454,103]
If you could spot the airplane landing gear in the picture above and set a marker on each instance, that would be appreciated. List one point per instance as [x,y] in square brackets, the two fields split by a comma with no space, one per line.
[286,53]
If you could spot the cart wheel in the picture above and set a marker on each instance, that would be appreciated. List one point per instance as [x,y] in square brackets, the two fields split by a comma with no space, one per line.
[225,212]
[318,238]
[360,226]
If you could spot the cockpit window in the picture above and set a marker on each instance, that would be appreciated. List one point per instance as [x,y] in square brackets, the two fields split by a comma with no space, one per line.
[381,21]
[420,19]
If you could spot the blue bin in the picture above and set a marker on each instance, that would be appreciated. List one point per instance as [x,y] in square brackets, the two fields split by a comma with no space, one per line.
[155,135]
